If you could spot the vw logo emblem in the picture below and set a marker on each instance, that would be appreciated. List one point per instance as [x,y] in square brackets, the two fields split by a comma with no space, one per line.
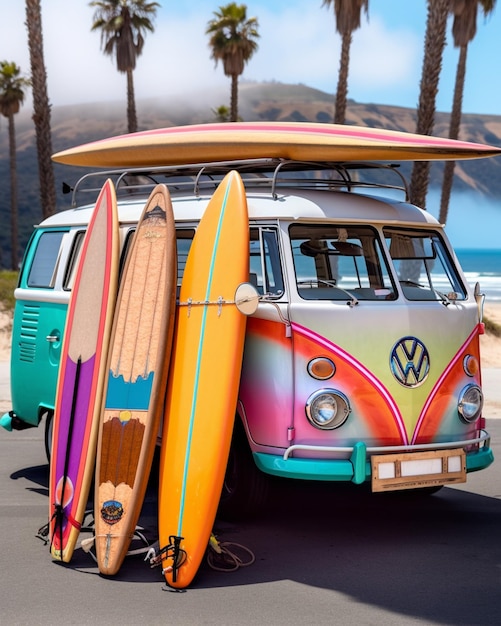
[410,362]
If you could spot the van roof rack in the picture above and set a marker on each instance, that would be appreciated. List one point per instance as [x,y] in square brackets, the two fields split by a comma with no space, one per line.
[266,173]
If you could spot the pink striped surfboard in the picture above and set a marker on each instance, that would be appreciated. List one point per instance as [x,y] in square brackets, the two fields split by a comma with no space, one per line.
[81,375]
[204,143]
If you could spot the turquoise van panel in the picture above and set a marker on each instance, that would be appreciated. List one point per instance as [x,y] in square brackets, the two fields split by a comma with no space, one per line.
[35,358]
[38,326]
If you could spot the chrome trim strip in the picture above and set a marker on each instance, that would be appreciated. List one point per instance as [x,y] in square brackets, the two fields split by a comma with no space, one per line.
[42,295]
[484,437]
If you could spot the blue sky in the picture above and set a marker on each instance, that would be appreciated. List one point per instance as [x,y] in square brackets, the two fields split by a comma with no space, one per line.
[298,44]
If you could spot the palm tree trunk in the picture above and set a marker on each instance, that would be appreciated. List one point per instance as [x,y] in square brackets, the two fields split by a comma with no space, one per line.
[13,195]
[131,103]
[438,11]
[342,83]
[41,108]
[234,98]
[455,124]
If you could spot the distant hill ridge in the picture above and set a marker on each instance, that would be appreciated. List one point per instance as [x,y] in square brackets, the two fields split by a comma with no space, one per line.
[77,124]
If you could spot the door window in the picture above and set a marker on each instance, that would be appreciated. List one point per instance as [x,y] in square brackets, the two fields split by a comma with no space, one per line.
[265,271]
[43,269]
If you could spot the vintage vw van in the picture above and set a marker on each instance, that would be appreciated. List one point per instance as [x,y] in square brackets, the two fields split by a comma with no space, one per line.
[361,362]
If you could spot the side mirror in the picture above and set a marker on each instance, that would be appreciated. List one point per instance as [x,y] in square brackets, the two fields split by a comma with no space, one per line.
[246,298]
[480,299]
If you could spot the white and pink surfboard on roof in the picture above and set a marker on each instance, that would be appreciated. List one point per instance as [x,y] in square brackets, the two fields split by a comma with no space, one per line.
[204,143]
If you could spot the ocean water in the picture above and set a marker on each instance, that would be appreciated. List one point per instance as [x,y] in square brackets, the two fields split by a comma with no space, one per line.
[484,267]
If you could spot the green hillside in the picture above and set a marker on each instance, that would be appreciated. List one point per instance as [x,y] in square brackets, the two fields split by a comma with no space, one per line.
[73,125]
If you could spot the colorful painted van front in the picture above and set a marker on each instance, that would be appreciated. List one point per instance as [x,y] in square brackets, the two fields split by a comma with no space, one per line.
[362,360]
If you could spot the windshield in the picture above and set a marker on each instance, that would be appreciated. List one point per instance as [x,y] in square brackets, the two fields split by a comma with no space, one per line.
[339,262]
[423,265]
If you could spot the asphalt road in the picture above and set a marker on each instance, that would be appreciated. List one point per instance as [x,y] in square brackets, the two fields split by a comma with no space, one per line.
[325,554]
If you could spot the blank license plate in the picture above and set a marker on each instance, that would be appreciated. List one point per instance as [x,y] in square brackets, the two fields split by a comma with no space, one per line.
[412,470]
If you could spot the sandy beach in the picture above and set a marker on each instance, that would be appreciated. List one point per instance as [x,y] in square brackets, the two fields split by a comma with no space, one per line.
[5,330]
[490,345]
[490,351]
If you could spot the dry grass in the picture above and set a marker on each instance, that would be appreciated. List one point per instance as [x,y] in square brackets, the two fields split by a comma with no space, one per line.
[8,282]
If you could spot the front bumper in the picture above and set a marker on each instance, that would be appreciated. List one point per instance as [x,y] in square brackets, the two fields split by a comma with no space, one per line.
[356,467]
[10,421]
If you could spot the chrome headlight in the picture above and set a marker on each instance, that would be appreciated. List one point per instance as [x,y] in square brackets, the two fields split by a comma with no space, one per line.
[470,403]
[327,409]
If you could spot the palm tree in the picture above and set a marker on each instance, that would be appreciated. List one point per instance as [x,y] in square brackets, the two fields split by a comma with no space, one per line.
[347,13]
[233,41]
[12,86]
[41,108]
[432,64]
[222,113]
[464,29]
[122,24]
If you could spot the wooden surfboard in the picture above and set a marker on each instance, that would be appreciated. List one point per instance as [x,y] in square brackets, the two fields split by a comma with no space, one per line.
[137,369]
[204,143]
[203,382]
[81,375]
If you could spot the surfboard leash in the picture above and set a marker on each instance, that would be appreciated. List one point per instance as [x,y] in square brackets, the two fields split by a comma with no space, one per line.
[224,556]
[43,531]
[172,551]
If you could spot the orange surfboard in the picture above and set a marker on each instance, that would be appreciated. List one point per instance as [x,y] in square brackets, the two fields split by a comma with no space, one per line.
[81,375]
[203,382]
[136,380]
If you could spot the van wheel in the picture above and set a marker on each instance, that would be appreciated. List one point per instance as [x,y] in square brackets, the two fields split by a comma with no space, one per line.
[49,423]
[245,487]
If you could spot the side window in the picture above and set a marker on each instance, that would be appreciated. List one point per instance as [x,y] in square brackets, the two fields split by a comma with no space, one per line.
[125,250]
[184,237]
[45,263]
[265,271]
[71,270]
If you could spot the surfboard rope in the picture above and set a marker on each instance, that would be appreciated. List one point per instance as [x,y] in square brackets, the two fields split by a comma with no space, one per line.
[224,556]
[88,544]
[171,551]
[87,526]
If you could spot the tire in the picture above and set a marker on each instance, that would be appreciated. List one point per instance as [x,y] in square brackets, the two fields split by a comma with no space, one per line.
[245,487]
[49,423]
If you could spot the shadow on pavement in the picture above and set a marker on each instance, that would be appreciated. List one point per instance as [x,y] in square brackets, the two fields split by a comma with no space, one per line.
[435,558]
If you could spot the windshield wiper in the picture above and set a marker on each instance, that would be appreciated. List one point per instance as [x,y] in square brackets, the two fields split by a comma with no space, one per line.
[330,283]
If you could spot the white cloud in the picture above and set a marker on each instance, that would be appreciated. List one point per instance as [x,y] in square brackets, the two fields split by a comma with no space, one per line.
[295,46]
[382,58]
[298,44]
